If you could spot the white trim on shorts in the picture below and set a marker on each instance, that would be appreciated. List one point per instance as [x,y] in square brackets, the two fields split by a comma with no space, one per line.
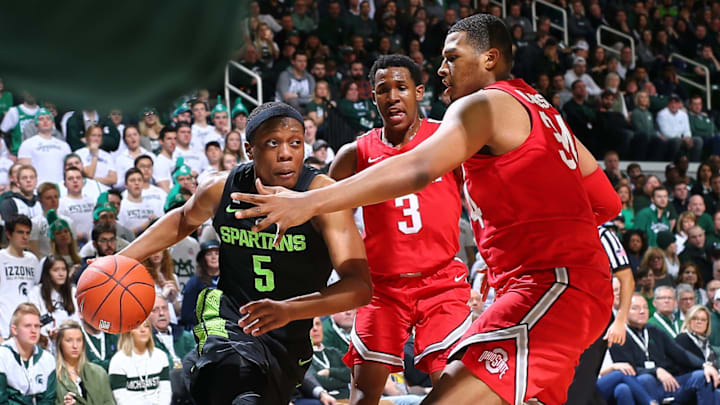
[369,355]
[520,332]
[448,341]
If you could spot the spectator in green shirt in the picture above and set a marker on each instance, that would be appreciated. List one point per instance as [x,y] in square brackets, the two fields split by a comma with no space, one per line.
[359,114]
[697,206]
[702,125]
[656,217]
[302,19]
[6,99]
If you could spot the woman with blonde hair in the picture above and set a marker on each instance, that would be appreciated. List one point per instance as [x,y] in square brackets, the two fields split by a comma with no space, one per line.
[695,332]
[685,222]
[234,145]
[78,381]
[265,44]
[654,260]
[140,374]
[162,270]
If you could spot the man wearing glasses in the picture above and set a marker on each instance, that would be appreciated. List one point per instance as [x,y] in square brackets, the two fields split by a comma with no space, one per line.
[664,317]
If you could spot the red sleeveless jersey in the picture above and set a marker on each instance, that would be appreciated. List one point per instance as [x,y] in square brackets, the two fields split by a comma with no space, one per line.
[413,233]
[529,208]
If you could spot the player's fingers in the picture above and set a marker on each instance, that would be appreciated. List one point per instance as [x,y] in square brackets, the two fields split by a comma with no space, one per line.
[279,234]
[263,224]
[268,190]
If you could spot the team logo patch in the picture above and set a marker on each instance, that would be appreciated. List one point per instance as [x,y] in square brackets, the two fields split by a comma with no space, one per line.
[495,361]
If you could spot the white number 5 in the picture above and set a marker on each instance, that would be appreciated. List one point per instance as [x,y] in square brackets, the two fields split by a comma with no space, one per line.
[412,212]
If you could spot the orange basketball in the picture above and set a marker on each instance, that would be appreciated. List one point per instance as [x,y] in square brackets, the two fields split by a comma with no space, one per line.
[115,294]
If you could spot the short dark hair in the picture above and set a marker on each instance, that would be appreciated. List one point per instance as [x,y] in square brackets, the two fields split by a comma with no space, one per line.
[195,101]
[485,31]
[386,61]
[166,129]
[298,53]
[115,192]
[70,169]
[131,171]
[141,157]
[128,126]
[19,219]
[100,228]
[575,83]
[182,124]
[659,188]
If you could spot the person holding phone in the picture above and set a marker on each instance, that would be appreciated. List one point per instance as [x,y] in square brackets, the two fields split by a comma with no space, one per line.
[54,296]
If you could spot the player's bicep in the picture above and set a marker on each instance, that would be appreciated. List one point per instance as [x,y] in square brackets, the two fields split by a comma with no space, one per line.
[345,163]
[465,129]
[586,161]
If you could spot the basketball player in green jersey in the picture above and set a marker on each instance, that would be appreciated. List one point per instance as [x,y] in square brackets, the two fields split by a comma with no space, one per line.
[253,330]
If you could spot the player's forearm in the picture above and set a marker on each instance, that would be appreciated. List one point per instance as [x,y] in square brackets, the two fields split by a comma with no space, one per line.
[627,287]
[394,177]
[167,231]
[348,293]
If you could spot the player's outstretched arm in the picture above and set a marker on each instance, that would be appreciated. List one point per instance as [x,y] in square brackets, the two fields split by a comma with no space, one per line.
[175,225]
[468,125]
[354,289]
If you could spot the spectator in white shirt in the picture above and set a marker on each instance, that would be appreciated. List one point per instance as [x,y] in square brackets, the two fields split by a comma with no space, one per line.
[200,127]
[164,161]
[75,206]
[674,124]
[43,151]
[194,158]
[135,213]
[91,187]
[97,164]
[577,72]
[125,159]
[150,192]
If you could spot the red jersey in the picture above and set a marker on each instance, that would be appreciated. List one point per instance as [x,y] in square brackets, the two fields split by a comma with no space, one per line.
[529,209]
[417,232]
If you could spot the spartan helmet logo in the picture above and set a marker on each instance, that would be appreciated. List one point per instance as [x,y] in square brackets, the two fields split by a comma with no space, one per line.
[23,289]
[39,379]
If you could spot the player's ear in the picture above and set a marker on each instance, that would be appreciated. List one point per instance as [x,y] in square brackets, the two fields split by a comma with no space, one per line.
[491,59]
[372,96]
[249,151]
[419,92]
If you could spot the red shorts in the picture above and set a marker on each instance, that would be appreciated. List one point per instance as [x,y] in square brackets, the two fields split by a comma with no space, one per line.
[528,342]
[435,305]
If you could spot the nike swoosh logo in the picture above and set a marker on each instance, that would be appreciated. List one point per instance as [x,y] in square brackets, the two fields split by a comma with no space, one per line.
[302,363]
[375,159]
[459,277]
[229,209]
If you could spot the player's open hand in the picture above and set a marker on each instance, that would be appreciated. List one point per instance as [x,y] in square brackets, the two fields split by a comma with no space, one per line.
[263,316]
[278,205]
[615,334]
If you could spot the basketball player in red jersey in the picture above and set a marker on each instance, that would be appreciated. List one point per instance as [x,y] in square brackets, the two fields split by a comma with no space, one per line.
[411,242]
[536,195]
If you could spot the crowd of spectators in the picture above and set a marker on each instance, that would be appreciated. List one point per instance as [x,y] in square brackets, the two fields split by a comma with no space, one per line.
[83,184]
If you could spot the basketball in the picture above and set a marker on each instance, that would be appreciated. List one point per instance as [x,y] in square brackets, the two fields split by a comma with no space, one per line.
[115,294]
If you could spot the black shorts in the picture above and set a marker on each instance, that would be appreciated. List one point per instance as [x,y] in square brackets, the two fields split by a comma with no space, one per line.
[232,363]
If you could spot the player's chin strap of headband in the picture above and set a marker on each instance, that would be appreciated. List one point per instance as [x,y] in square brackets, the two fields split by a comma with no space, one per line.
[281,110]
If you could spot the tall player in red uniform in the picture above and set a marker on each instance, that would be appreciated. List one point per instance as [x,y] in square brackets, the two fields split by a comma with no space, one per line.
[536,195]
[411,242]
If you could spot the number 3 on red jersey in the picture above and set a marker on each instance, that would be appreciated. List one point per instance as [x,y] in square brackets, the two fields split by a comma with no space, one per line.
[564,137]
[412,212]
